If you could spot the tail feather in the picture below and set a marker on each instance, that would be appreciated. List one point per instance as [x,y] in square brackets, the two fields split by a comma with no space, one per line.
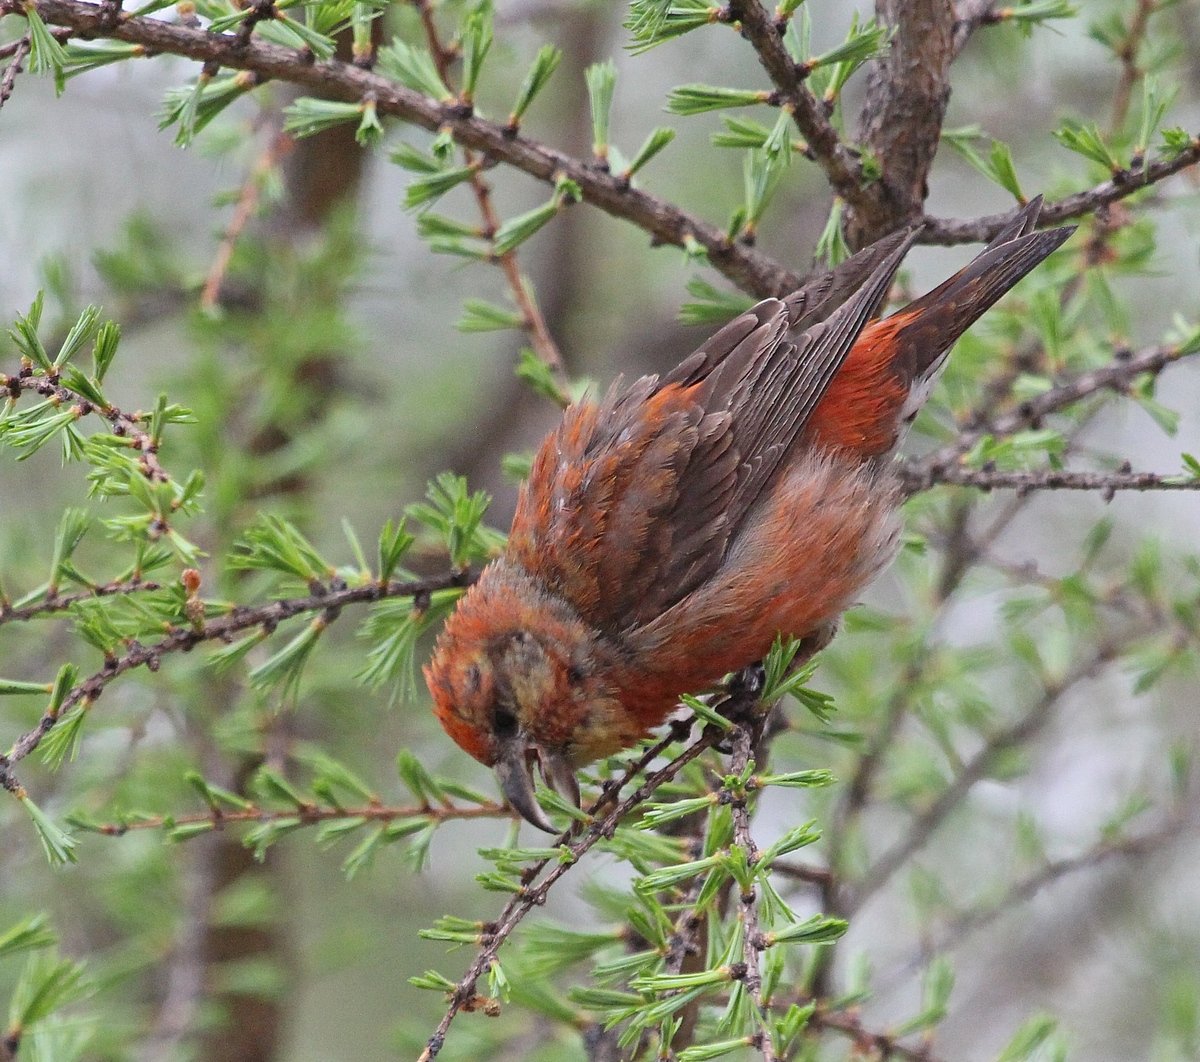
[891,370]
[1022,225]
[927,328]
[825,292]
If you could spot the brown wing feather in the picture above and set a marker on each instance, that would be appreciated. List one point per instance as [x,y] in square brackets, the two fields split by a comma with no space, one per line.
[632,502]
[819,295]
[771,404]
[597,520]
[823,293]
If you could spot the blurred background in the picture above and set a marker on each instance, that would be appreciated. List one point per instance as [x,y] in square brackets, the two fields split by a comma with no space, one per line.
[329,381]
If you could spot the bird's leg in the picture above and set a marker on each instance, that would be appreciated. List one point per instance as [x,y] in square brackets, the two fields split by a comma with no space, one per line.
[740,700]
[743,689]
[813,643]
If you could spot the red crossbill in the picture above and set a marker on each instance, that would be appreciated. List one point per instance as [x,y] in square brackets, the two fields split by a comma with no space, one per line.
[671,530]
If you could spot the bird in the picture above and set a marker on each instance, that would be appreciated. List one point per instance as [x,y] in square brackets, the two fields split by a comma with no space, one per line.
[669,531]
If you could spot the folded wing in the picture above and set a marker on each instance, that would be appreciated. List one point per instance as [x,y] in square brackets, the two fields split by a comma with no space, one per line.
[637,497]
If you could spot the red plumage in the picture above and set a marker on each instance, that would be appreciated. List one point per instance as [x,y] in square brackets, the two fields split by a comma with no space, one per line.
[669,532]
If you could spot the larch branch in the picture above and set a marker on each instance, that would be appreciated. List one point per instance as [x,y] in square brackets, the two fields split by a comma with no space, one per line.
[665,222]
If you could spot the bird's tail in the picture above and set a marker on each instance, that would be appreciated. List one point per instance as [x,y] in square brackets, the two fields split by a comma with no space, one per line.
[925,329]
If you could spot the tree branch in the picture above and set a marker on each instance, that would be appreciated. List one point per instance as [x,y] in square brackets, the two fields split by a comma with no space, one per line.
[1044,479]
[533,322]
[970,15]
[1013,736]
[19,50]
[279,145]
[666,223]
[1026,889]
[530,897]
[1116,376]
[126,425]
[1131,73]
[308,815]
[63,602]
[752,940]
[907,92]
[841,168]
[182,639]
[183,977]
[871,1044]
[949,231]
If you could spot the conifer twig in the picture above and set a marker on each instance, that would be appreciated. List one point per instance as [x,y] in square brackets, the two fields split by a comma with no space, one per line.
[531,315]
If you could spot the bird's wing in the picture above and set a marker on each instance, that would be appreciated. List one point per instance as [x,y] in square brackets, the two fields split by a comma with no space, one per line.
[770,399]
[812,302]
[595,523]
[632,501]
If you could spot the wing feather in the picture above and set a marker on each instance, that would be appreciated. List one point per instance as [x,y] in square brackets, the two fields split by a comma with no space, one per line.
[633,501]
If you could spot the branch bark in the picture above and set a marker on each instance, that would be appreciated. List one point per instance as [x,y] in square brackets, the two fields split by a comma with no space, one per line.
[970,15]
[949,231]
[841,168]
[1024,481]
[907,93]
[1117,376]
[183,639]
[535,895]
[1016,735]
[666,223]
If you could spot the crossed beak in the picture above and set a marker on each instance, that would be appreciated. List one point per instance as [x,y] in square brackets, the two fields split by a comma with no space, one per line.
[514,770]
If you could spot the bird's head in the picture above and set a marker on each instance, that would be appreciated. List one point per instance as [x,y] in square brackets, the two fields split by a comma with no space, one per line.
[515,679]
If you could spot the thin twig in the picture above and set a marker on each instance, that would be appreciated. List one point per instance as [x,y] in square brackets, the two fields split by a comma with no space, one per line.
[1106,483]
[1020,892]
[280,144]
[223,628]
[841,168]
[1131,73]
[804,872]
[685,951]
[752,938]
[869,1043]
[948,231]
[663,221]
[126,425]
[305,815]
[1116,595]
[533,896]
[62,602]
[19,50]
[970,15]
[1018,733]
[531,315]
[20,45]
[1116,376]
[185,966]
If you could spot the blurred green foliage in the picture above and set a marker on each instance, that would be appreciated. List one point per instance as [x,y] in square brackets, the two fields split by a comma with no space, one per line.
[218,579]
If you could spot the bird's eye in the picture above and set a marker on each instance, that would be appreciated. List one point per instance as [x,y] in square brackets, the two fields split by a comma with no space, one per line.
[504,722]
[574,674]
